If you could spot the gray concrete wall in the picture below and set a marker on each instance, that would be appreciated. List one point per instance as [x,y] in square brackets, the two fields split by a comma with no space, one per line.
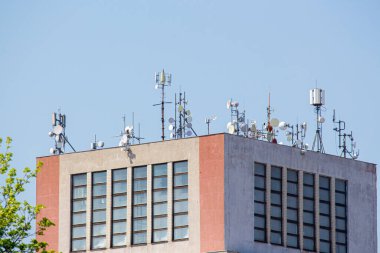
[240,155]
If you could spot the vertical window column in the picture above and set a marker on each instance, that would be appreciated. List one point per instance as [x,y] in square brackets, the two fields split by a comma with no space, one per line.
[139,214]
[180,201]
[308,212]
[276,206]
[324,214]
[78,212]
[260,210]
[160,203]
[119,208]
[341,215]
[98,223]
[292,209]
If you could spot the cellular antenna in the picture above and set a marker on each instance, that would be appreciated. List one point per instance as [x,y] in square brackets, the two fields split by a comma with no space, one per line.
[58,133]
[317,99]
[237,125]
[343,139]
[208,121]
[162,79]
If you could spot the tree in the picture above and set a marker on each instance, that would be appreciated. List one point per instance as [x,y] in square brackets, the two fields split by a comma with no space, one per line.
[16,216]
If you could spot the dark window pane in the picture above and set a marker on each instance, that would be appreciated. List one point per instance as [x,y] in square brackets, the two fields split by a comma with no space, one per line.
[324,221]
[308,244]
[79,232]
[79,180]
[161,222]
[259,235]
[139,224]
[139,185]
[119,240]
[276,185]
[308,205]
[276,198]
[260,182]
[324,182]
[160,182]
[292,202]
[292,215]
[292,241]
[308,191]
[325,247]
[276,172]
[159,170]
[119,201]
[139,172]
[139,198]
[324,208]
[160,236]
[292,188]
[324,195]
[98,190]
[99,177]
[275,238]
[180,180]
[259,195]
[180,167]
[340,237]
[181,233]
[180,193]
[139,238]
[79,192]
[139,211]
[275,225]
[79,245]
[180,207]
[292,228]
[340,185]
[260,208]
[259,169]
[79,218]
[340,224]
[259,222]
[308,217]
[275,211]
[159,209]
[79,205]
[324,234]
[341,249]
[181,220]
[308,231]
[159,196]
[119,214]
[119,227]
[120,174]
[98,242]
[340,198]
[99,216]
[340,211]
[119,187]
[292,176]
[99,229]
[99,203]
[308,179]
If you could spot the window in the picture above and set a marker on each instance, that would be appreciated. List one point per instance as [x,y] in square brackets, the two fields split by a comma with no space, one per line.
[276,206]
[78,212]
[292,209]
[98,224]
[324,214]
[260,213]
[160,203]
[139,202]
[119,208]
[308,212]
[341,215]
[180,200]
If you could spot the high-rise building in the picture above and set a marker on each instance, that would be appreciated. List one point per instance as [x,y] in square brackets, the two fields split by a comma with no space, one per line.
[215,193]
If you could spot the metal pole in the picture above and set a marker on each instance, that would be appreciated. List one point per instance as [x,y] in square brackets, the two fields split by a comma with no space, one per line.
[162,112]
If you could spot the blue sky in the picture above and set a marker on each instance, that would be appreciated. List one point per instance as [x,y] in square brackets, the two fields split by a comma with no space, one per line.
[96,61]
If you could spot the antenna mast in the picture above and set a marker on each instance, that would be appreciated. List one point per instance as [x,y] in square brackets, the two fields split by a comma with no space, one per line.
[163,79]
[317,99]
[59,125]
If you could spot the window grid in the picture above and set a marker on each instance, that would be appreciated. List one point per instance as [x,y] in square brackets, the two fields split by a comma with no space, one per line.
[276,206]
[260,202]
[292,209]
[78,212]
[308,212]
[324,214]
[98,220]
[341,215]
[160,201]
[139,205]
[180,201]
[119,208]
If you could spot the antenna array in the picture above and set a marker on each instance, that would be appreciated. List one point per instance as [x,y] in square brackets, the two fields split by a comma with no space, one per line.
[317,99]
[58,122]
[343,140]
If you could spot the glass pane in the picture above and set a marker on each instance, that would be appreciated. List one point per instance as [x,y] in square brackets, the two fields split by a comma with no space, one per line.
[180,193]
[259,195]
[119,240]
[275,238]
[181,233]
[340,198]
[79,179]
[308,179]
[308,205]
[119,201]
[308,191]
[79,218]
[260,182]
[260,208]
[79,205]
[180,180]
[139,198]
[159,209]
[340,237]
[160,182]
[79,232]
[340,224]
[139,185]
[139,238]
[275,225]
[325,247]
[340,211]
[78,245]
[160,196]
[180,167]
[324,208]
[259,235]
[99,203]
[259,169]
[139,225]
[139,172]
[98,190]
[341,249]
[340,185]
[276,185]
[259,222]
[98,229]
[159,170]
[324,195]
[292,215]
[119,187]
[119,227]
[99,177]
[324,182]
[324,221]
[139,211]
[160,223]
[292,228]
[120,174]
[79,192]
[99,216]
[324,234]
[275,198]
[119,214]
[160,236]
[308,231]
[275,211]
[292,176]
[98,242]
[180,207]
[181,220]
[292,202]
[292,241]
[292,188]
[276,172]
[308,217]
[308,244]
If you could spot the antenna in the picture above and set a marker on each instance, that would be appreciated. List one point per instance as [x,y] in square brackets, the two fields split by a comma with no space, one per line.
[97,144]
[162,79]
[317,99]
[59,126]
[208,121]
[343,139]
[131,131]
[237,123]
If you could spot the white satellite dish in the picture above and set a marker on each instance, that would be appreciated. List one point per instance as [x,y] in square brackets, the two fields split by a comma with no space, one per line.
[128,129]
[282,125]
[228,125]
[171,135]
[51,134]
[100,144]
[274,122]
[189,119]
[188,113]
[51,150]
[231,129]
[189,133]
[321,119]
[180,108]
[189,125]
[228,104]
[171,120]
[171,127]
[58,129]
[244,127]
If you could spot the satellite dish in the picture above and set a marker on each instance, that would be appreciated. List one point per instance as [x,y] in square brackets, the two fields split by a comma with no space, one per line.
[244,127]
[188,113]
[172,135]
[274,122]
[189,125]
[100,144]
[228,104]
[171,120]
[282,125]
[58,129]
[51,134]
[51,150]
[189,133]
[231,129]
[189,119]
[171,127]
[321,119]
[228,125]
[180,108]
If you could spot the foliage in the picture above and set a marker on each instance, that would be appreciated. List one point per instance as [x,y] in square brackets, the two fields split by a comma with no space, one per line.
[17,217]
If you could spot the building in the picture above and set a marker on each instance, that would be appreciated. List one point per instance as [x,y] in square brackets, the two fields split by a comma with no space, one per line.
[215,193]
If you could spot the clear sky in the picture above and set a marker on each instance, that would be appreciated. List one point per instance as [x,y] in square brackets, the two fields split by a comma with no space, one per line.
[96,61]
